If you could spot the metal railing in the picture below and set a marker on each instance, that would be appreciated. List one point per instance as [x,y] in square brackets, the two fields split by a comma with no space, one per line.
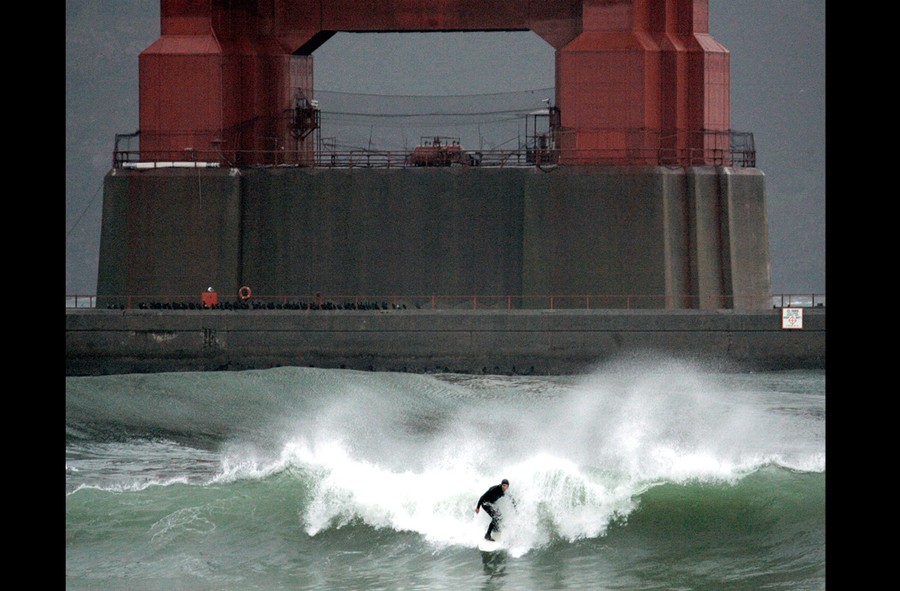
[625,147]
[392,159]
[447,302]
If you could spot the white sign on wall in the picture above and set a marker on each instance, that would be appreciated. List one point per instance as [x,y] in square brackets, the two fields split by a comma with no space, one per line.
[792,318]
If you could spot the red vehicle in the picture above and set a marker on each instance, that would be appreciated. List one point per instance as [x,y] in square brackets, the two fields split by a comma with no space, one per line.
[439,151]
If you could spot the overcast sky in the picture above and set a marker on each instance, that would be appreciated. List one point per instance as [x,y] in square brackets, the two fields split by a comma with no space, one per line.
[777,93]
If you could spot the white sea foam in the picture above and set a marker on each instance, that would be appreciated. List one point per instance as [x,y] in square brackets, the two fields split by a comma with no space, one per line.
[578,455]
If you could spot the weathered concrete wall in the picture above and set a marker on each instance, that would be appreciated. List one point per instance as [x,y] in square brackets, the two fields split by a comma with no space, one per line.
[667,237]
[553,342]
[169,232]
[747,233]
[599,230]
[376,232]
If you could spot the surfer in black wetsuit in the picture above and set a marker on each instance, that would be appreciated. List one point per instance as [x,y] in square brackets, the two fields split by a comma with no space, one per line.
[488,500]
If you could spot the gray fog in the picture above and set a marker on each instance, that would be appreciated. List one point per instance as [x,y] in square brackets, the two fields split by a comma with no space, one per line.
[777,92]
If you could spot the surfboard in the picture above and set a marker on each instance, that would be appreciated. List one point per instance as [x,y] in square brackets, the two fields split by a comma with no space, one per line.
[489,545]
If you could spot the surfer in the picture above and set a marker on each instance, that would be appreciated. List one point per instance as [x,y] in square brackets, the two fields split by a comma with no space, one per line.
[488,500]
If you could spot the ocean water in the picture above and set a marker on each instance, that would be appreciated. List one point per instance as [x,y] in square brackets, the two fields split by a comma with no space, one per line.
[642,474]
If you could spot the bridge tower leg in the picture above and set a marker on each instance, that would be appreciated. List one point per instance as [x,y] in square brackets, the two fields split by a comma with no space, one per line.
[644,83]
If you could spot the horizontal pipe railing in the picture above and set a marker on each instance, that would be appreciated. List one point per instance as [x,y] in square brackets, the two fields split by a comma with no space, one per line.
[401,159]
[444,302]
[610,147]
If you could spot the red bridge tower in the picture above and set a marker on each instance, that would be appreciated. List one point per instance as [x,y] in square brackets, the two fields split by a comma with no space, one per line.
[640,81]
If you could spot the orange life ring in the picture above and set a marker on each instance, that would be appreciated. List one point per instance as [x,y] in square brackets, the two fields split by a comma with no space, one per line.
[244,293]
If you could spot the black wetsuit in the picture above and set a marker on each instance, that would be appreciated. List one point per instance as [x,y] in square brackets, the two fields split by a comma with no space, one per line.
[487,501]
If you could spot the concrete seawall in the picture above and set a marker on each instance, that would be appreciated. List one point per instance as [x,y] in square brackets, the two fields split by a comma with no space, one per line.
[549,342]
